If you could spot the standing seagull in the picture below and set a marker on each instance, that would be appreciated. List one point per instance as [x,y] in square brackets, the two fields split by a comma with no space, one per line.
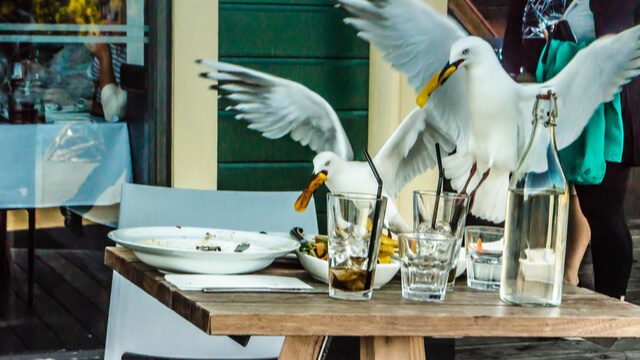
[482,108]
[277,107]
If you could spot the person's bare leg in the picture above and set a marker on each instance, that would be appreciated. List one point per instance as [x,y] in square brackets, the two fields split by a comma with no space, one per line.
[578,237]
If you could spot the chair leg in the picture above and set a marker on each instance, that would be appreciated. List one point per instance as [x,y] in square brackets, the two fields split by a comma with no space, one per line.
[31,253]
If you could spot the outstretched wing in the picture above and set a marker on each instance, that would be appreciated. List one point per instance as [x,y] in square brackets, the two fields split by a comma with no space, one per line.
[593,77]
[277,107]
[417,40]
[411,150]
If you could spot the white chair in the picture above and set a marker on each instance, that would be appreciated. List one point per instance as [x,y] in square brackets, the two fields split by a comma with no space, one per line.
[140,324]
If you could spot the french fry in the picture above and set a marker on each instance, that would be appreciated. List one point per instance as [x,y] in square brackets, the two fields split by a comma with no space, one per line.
[384,239]
[385,250]
[304,198]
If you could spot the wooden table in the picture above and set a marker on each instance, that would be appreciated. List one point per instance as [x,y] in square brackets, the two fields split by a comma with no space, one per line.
[389,326]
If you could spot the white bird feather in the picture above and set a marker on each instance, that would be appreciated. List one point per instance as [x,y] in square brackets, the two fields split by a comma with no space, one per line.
[480,106]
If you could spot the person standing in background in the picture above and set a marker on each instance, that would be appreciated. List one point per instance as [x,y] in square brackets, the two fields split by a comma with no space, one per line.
[603,204]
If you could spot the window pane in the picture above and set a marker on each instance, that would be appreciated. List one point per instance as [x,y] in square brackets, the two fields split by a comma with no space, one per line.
[72,77]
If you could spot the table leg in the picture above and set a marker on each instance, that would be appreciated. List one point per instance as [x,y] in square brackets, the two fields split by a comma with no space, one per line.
[301,347]
[390,348]
[31,253]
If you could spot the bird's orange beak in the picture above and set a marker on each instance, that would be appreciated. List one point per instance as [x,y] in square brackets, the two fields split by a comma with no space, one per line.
[304,198]
[436,81]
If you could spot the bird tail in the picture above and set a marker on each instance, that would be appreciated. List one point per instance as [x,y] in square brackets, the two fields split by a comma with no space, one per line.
[490,201]
[457,168]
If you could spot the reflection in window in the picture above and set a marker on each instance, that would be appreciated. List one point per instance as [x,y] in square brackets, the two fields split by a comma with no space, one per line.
[60,60]
[62,63]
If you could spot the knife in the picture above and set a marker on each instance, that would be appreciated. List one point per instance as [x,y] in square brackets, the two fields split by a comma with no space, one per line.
[265,290]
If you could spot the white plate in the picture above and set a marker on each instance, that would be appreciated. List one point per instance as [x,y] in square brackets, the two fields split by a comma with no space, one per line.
[319,269]
[174,249]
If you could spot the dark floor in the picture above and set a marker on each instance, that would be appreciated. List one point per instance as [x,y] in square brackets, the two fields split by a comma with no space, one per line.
[69,317]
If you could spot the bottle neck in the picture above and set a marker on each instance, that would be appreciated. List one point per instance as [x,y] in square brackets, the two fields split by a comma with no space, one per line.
[539,168]
[545,113]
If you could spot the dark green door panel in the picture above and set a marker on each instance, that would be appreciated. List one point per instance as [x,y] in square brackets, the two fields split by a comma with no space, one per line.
[287,31]
[264,176]
[303,41]
[322,222]
[242,145]
[344,84]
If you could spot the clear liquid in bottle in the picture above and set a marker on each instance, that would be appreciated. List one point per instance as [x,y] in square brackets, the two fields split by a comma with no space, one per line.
[539,245]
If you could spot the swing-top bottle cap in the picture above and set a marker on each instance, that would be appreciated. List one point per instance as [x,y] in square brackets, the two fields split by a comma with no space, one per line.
[546,92]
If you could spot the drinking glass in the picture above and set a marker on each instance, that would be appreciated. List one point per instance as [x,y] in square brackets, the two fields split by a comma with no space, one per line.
[350,220]
[483,246]
[451,213]
[425,261]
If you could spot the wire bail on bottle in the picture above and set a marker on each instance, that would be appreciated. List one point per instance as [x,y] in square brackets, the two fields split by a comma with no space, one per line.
[552,114]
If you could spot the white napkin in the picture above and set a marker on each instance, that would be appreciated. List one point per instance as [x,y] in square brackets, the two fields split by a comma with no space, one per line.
[539,265]
[199,282]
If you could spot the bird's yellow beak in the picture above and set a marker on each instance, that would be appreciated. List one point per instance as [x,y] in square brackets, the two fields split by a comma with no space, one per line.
[304,198]
[437,80]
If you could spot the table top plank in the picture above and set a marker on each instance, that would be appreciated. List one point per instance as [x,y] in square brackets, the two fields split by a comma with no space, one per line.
[465,312]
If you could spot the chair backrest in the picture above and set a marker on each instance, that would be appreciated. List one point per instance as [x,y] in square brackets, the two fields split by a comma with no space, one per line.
[143,205]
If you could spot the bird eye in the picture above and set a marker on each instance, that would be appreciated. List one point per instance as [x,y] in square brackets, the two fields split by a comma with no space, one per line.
[327,163]
[465,51]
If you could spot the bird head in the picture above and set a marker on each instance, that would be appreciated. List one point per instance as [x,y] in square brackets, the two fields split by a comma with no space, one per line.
[324,164]
[464,52]
[469,51]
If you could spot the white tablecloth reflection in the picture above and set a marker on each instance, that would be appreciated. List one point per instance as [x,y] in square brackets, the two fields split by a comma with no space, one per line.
[73,164]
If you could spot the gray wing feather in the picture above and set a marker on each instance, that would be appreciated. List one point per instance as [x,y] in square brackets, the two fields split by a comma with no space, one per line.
[411,150]
[277,107]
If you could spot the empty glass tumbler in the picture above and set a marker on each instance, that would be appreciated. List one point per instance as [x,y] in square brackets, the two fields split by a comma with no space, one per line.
[450,211]
[425,261]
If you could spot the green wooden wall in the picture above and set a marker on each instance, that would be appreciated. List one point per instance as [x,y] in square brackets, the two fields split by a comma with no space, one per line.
[301,40]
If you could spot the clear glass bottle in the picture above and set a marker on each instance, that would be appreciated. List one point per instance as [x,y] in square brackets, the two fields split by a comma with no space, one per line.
[537,215]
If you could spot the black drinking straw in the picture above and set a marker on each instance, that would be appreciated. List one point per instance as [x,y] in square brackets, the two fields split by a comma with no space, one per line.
[439,188]
[376,216]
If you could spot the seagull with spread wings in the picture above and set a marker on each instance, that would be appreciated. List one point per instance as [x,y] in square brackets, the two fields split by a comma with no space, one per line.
[475,101]
[277,107]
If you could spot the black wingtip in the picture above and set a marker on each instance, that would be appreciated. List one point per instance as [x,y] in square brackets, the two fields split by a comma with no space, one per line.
[203,75]
[199,61]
